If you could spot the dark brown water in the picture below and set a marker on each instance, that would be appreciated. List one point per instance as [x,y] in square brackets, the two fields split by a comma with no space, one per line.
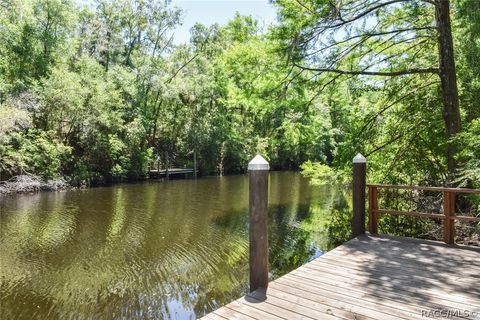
[153,250]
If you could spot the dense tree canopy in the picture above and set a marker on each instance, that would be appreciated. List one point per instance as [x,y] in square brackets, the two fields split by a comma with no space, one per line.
[95,94]
[397,59]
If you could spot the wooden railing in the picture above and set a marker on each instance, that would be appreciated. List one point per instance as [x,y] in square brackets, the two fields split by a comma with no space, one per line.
[449,216]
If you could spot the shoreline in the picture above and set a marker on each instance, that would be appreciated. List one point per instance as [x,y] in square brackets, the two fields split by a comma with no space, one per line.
[24,184]
[30,184]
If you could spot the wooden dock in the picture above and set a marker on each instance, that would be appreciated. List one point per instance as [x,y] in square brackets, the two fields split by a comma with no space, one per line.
[156,174]
[369,277]
[372,277]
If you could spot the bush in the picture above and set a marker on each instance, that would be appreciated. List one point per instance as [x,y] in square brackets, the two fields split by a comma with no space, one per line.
[33,152]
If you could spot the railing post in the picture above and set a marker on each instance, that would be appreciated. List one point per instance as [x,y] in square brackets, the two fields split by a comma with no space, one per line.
[359,183]
[449,221]
[372,207]
[258,208]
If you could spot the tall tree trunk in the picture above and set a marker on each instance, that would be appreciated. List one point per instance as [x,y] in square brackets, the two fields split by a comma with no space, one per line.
[448,76]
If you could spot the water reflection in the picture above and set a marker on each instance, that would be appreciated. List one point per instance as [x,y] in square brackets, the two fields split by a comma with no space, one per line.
[168,250]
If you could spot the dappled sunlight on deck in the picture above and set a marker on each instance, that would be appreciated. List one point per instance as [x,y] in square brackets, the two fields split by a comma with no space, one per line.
[372,277]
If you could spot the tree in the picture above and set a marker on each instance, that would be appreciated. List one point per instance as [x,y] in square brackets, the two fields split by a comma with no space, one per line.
[32,33]
[376,39]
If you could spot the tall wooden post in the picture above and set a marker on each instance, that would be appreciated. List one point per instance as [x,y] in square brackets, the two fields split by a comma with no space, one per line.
[359,183]
[258,208]
[167,164]
[195,164]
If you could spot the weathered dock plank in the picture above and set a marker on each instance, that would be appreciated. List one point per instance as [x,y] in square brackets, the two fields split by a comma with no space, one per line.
[372,277]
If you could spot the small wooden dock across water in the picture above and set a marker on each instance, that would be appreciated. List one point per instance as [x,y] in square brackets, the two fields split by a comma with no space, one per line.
[372,277]
[156,174]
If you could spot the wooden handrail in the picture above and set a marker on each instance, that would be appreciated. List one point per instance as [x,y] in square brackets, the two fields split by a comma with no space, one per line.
[448,215]
[439,189]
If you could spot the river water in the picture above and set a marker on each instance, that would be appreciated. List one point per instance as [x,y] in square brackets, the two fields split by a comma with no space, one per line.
[151,250]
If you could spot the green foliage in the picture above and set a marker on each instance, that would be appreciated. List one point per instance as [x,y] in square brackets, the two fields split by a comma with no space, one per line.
[330,219]
[470,155]
[33,36]
[409,227]
[317,172]
[34,152]
[467,41]
[396,122]
[339,227]
[105,92]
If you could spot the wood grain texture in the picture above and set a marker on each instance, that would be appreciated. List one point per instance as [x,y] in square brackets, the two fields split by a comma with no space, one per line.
[258,233]
[372,277]
[359,182]
[449,222]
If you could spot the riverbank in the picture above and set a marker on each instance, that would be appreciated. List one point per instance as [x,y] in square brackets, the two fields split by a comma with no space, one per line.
[30,183]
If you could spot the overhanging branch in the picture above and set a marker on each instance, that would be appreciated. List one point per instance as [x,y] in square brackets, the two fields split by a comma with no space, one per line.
[374,73]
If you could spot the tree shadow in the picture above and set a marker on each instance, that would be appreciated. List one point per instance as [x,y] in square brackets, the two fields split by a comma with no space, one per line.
[424,273]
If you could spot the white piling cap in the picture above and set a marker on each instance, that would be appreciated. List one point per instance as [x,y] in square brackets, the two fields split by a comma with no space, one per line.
[258,163]
[359,159]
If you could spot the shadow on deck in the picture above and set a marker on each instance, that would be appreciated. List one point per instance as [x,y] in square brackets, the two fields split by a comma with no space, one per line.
[372,277]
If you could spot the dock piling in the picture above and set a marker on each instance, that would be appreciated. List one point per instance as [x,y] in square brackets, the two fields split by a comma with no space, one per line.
[194,164]
[359,183]
[258,170]
[167,165]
